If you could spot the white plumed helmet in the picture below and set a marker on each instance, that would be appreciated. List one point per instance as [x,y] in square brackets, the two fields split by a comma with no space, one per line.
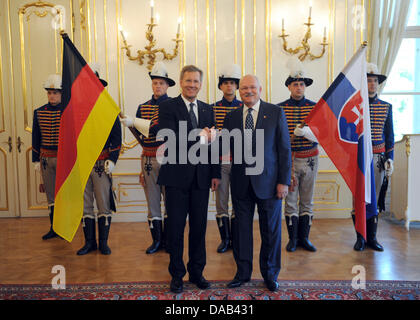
[53,82]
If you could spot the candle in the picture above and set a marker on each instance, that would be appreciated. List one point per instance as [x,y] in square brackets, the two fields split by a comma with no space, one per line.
[123,36]
[122,32]
[325,32]
[179,25]
[282,23]
[310,12]
[152,4]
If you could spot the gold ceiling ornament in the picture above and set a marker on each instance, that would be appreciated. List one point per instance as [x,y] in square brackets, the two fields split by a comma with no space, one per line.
[38,4]
[55,11]
[150,51]
[304,50]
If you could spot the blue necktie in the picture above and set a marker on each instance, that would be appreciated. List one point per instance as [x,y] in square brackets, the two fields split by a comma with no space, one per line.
[249,120]
[192,116]
[249,126]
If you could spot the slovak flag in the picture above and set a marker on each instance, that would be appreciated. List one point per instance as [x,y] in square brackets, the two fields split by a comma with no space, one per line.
[341,122]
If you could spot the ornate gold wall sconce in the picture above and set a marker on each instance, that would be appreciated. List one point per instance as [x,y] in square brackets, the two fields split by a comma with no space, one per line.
[304,50]
[150,51]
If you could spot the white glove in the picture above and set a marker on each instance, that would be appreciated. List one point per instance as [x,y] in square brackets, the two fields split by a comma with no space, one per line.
[37,166]
[109,166]
[389,167]
[143,126]
[299,132]
[305,132]
[127,121]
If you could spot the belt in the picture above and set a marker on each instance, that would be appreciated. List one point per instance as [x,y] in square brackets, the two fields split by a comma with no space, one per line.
[306,153]
[149,151]
[104,155]
[379,148]
[46,153]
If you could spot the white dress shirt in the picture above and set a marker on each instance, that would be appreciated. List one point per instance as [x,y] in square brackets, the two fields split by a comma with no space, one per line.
[254,112]
[195,108]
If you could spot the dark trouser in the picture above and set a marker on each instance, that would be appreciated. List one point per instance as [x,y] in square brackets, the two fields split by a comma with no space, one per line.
[180,203]
[269,213]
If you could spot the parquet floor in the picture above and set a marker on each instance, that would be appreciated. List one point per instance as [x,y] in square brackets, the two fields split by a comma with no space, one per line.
[26,258]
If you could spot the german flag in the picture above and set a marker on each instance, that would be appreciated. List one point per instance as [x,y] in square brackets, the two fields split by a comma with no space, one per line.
[86,122]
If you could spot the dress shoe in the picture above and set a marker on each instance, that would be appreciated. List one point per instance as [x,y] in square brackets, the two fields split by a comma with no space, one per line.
[306,244]
[201,283]
[291,245]
[360,243]
[374,244]
[49,235]
[271,285]
[235,283]
[176,285]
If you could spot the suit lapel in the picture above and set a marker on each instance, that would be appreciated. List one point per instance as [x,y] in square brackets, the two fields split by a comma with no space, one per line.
[239,118]
[261,116]
[202,115]
[183,110]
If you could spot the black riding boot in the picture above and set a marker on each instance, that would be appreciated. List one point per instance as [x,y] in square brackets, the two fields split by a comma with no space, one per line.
[156,231]
[50,234]
[104,223]
[371,229]
[303,233]
[89,230]
[292,228]
[360,242]
[224,229]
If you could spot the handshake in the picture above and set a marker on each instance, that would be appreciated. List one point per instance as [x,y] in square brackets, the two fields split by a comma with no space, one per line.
[207,136]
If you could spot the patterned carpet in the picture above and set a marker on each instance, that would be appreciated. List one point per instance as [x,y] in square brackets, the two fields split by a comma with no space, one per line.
[254,290]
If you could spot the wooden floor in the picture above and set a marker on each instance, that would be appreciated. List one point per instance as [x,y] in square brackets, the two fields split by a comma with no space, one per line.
[25,258]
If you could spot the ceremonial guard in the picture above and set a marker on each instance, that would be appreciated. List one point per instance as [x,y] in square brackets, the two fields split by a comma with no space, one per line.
[304,160]
[382,132]
[99,187]
[149,165]
[45,131]
[228,84]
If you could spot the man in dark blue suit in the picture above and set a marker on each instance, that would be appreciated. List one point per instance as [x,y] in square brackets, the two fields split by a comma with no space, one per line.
[187,183]
[264,187]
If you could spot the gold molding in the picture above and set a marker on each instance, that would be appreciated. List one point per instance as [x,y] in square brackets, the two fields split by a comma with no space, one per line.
[254,61]
[106,40]
[319,210]
[215,48]
[126,145]
[407,146]
[2,104]
[95,35]
[208,49]
[82,4]
[362,26]
[142,203]
[355,32]
[271,53]
[5,180]
[196,31]
[327,183]
[328,171]
[21,13]
[266,49]
[243,35]
[89,40]
[346,30]
[235,25]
